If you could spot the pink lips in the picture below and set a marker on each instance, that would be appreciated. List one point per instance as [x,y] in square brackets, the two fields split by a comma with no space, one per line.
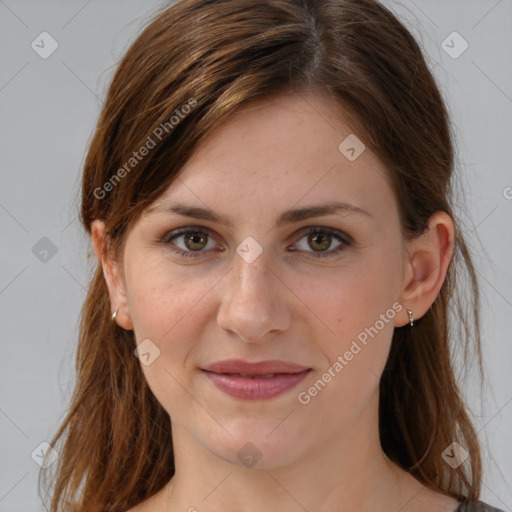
[255,381]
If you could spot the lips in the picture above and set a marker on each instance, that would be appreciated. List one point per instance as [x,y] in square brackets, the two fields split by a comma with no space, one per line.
[254,381]
[246,368]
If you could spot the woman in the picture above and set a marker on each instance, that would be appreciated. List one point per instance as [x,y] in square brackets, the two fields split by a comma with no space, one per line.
[268,195]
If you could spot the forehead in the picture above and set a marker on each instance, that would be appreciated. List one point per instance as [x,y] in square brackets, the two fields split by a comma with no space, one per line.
[290,149]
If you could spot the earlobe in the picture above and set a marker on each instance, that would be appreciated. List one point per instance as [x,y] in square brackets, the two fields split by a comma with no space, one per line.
[112,276]
[429,257]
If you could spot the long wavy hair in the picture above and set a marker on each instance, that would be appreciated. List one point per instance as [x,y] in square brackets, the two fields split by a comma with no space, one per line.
[115,447]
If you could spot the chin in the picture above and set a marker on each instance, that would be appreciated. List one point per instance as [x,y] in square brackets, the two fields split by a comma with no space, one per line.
[260,444]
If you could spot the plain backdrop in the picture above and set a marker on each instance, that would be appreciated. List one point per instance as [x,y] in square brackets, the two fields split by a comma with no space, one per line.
[49,108]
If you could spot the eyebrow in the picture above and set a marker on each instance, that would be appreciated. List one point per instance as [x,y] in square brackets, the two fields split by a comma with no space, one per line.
[287,217]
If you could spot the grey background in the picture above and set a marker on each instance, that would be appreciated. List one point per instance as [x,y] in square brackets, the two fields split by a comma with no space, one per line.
[49,108]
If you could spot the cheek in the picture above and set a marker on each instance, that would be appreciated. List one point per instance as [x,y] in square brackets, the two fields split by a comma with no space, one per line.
[170,309]
[356,303]
[163,300]
[352,298]
[360,312]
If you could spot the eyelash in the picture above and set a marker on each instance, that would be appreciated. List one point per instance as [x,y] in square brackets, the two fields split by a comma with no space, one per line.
[345,240]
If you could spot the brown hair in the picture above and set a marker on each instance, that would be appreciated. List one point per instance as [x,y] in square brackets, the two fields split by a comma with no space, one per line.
[217,56]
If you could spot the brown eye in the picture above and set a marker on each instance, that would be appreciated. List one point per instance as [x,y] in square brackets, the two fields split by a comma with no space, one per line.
[195,240]
[320,239]
[189,242]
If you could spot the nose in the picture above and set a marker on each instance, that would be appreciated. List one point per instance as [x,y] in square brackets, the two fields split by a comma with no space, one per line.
[254,301]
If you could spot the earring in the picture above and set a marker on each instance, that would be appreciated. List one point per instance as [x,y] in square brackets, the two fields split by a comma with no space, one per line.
[114,314]
[411,321]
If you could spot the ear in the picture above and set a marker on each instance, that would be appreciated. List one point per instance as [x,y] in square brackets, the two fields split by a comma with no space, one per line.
[113,275]
[427,260]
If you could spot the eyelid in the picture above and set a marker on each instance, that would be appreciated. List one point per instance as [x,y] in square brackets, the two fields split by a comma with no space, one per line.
[344,238]
[303,230]
[176,233]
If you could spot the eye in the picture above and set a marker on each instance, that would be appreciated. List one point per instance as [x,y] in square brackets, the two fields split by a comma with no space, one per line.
[320,239]
[192,243]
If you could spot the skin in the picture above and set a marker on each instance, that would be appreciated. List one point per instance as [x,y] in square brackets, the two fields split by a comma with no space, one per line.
[287,304]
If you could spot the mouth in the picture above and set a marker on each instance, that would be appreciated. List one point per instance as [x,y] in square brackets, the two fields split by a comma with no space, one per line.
[265,376]
[258,368]
[256,387]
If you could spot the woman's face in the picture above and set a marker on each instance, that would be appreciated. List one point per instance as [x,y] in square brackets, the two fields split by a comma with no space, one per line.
[258,286]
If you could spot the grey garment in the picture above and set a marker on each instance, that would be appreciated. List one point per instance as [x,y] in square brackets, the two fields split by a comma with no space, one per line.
[477,506]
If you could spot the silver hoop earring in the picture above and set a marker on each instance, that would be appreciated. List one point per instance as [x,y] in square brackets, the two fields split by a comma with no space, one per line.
[411,320]
[114,314]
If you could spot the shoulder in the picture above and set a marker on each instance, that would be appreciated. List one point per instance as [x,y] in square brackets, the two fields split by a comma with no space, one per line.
[477,506]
